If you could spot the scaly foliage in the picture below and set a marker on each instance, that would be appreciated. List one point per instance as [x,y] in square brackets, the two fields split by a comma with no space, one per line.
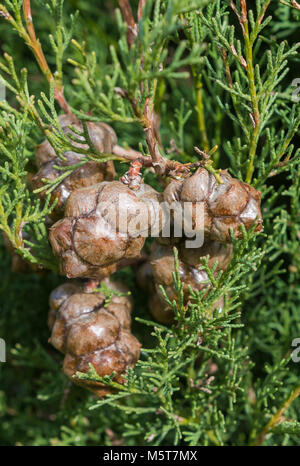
[217,74]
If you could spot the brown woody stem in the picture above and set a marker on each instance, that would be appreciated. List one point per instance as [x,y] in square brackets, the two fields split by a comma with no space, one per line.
[158,161]
[129,19]
[36,47]
[296,5]
[293,4]
[145,116]
[142,3]
[171,167]
[131,155]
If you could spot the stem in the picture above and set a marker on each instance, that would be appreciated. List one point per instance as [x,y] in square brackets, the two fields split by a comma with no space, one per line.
[277,416]
[158,161]
[142,4]
[296,5]
[146,116]
[255,117]
[263,12]
[34,42]
[129,19]
[293,4]
[161,165]
[132,155]
[255,103]
[169,166]
[36,47]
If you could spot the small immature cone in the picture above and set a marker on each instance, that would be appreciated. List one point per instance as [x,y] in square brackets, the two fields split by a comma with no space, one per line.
[90,331]
[160,269]
[103,138]
[227,205]
[103,225]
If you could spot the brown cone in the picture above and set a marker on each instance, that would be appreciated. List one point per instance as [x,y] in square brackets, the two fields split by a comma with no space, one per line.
[227,205]
[89,331]
[159,272]
[103,138]
[93,237]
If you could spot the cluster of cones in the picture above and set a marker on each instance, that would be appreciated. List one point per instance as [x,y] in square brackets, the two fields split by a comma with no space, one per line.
[85,326]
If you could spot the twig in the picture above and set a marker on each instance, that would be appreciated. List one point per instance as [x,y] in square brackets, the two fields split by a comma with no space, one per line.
[146,116]
[296,5]
[261,16]
[255,116]
[293,4]
[36,47]
[172,168]
[234,8]
[129,19]
[142,3]
[277,416]
[158,161]
[132,155]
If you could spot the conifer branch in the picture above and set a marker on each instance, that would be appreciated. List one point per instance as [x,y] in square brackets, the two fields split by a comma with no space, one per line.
[255,116]
[36,47]
[195,382]
[277,417]
[27,32]
[129,20]
[146,115]
[293,4]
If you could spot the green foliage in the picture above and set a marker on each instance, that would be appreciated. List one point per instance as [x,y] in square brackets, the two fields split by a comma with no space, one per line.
[214,79]
[20,211]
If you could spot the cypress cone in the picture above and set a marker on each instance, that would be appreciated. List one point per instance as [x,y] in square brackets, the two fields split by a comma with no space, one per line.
[227,205]
[160,269]
[103,138]
[92,238]
[90,330]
